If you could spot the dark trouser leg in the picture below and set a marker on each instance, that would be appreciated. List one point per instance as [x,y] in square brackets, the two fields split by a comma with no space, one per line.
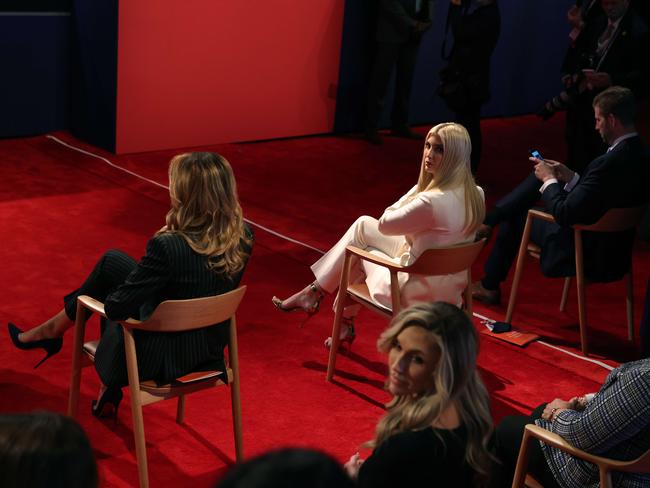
[509,434]
[405,67]
[110,271]
[470,118]
[504,251]
[385,57]
[523,197]
[110,358]
[507,244]
[645,325]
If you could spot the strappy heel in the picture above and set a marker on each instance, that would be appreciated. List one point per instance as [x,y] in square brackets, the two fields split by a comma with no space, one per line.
[347,334]
[51,346]
[310,309]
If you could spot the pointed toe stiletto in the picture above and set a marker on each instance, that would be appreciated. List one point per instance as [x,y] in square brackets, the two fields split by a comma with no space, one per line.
[347,334]
[108,403]
[51,346]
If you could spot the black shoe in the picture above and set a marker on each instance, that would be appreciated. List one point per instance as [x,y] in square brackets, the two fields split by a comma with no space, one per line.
[546,112]
[373,137]
[112,397]
[51,346]
[482,294]
[484,231]
[406,133]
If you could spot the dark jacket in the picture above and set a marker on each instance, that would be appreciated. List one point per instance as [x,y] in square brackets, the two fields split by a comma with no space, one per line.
[617,179]
[170,270]
[397,19]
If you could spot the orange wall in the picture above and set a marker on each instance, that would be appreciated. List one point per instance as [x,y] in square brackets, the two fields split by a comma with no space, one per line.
[197,72]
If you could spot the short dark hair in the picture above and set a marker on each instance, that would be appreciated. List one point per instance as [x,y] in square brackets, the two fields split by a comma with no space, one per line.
[619,102]
[292,467]
[45,450]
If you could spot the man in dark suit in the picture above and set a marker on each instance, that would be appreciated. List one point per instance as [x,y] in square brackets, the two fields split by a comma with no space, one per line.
[618,178]
[611,50]
[400,26]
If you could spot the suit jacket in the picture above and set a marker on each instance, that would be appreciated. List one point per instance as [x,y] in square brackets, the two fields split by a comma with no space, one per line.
[626,59]
[397,19]
[616,179]
[614,424]
[170,270]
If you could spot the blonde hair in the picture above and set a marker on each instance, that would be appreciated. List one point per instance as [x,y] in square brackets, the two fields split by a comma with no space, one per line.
[455,171]
[456,382]
[205,210]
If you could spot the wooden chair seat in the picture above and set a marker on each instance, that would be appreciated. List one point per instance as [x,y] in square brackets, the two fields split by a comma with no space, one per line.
[615,220]
[359,292]
[169,316]
[438,261]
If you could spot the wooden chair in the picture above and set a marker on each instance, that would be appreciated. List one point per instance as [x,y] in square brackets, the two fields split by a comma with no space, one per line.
[615,220]
[169,316]
[438,261]
[605,465]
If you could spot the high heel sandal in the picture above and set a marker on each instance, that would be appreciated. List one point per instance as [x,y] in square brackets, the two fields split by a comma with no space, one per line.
[347,333]
[111,396]
[310,309]
[51,346]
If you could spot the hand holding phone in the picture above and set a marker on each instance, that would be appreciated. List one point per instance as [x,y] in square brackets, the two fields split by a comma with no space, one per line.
[535,153]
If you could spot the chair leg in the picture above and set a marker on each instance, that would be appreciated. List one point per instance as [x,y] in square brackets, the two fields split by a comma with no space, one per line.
[136,407]
[75,375]
[582,299]
[518,481]
[629,305]
[469,306]
[138,435]
[336,330]
[340,305]
[235,396]
[237,420]
[180,409]
[605,476]
[519,268]
[565,293]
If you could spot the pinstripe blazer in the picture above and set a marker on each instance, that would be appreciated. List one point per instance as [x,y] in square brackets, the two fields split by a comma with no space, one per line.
[170,270]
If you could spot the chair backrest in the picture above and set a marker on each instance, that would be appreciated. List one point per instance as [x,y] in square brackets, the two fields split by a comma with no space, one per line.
[616,220]
[446,260]
[195,313]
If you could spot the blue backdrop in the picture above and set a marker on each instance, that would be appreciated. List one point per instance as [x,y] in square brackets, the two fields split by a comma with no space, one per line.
[525,65]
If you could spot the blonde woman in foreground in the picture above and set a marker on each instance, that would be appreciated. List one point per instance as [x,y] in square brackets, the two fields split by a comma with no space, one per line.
[444,208]
[201,251]
[438,429]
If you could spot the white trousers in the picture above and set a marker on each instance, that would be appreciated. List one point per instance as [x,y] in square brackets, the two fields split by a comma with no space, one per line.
[363,233]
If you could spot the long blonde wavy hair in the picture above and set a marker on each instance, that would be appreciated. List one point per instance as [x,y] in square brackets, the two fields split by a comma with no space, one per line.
[455,171]
[456,382]
[205,210]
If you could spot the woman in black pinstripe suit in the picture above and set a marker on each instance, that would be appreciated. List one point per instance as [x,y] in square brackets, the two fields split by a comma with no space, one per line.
[201,251]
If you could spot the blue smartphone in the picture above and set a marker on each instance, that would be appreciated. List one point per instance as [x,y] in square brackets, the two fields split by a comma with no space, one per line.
[535,153]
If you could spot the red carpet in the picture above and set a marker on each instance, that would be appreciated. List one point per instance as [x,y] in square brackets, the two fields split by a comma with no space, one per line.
[61,209]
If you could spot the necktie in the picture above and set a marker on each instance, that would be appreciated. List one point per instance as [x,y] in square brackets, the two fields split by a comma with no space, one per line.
[605,38]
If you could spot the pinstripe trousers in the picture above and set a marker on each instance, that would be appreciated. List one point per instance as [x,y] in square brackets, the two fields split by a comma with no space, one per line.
[111,271]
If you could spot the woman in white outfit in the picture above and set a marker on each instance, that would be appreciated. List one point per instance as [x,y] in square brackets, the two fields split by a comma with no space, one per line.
[444,208]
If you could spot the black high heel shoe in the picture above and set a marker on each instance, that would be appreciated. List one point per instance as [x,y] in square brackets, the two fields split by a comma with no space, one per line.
[111,396]
[51,346]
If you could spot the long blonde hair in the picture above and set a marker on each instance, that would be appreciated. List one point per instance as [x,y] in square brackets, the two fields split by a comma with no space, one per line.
[455,171]
[205,210]
[456,382]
